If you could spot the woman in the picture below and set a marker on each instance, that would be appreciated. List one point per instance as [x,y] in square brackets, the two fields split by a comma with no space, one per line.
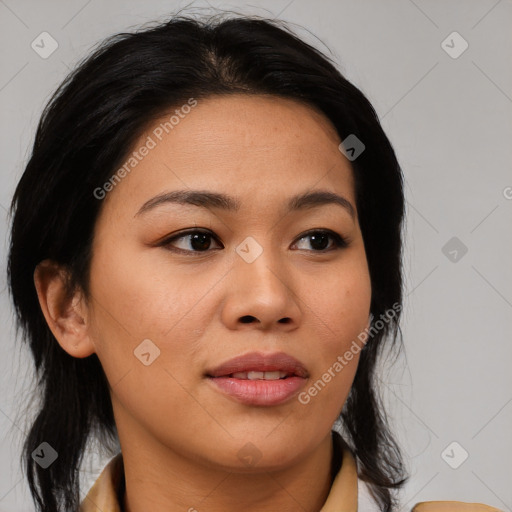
[206,263]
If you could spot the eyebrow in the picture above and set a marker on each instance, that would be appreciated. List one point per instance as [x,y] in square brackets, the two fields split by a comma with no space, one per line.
[217,200]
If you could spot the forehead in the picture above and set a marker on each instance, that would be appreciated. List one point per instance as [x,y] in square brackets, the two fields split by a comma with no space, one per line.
[258,147]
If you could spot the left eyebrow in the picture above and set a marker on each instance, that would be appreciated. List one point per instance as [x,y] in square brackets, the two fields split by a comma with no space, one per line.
[217,200]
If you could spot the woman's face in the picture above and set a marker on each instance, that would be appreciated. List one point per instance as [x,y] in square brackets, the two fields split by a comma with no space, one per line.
[163,313]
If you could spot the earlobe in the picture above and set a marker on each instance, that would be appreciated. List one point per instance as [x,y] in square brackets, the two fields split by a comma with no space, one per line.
[66,313]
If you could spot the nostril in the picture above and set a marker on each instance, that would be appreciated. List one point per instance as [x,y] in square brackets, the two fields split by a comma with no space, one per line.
[247,319]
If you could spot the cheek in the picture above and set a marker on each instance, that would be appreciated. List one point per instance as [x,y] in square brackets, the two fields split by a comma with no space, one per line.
[341,301]
[135,300]
[339,312]
[144,325]
[139,299]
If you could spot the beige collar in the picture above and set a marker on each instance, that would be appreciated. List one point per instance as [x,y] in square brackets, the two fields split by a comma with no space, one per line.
[103,495]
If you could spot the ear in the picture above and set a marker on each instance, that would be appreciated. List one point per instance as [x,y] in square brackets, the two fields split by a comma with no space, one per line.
[66,313]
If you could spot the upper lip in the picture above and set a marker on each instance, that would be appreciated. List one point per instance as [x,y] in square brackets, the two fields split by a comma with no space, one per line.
[258,362]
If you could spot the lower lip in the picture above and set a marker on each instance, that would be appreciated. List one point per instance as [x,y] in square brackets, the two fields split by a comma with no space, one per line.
[259,392]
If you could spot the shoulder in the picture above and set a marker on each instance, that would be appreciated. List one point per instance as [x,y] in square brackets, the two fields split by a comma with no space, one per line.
[452,506]
[367,504]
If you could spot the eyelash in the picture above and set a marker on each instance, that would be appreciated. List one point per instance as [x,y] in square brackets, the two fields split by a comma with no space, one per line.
[339,241]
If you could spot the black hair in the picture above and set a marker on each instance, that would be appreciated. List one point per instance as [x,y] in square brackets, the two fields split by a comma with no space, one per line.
[86,130]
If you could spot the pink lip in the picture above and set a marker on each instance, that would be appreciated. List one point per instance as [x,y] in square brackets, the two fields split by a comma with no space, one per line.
[260,392]
[258,362]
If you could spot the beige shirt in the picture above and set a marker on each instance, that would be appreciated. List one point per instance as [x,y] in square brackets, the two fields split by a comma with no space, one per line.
[107,491]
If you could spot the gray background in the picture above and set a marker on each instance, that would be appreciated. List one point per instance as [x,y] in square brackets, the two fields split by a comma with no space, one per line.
[450,122]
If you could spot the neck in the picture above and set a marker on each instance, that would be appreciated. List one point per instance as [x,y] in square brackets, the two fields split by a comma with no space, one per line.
[182,485]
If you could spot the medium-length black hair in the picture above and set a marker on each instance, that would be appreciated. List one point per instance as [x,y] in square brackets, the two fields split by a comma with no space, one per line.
[85,132]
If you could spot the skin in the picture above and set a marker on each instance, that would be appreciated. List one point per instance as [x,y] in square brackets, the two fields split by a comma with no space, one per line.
[180,437]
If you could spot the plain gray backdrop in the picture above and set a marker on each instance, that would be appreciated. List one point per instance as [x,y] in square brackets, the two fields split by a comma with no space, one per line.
[438,74]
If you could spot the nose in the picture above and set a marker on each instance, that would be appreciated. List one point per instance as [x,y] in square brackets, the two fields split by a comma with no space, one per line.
[261,295]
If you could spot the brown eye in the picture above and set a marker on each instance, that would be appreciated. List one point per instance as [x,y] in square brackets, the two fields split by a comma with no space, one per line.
[319,240]
[191,241]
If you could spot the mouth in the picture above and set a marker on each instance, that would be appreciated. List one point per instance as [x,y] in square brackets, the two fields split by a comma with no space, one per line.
[258,366]
[258,379]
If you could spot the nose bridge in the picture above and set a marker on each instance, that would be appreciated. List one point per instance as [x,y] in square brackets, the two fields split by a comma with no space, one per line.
[261,291]
[259,268]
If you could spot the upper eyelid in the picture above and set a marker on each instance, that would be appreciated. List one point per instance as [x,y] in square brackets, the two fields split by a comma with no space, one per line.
[189,232]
